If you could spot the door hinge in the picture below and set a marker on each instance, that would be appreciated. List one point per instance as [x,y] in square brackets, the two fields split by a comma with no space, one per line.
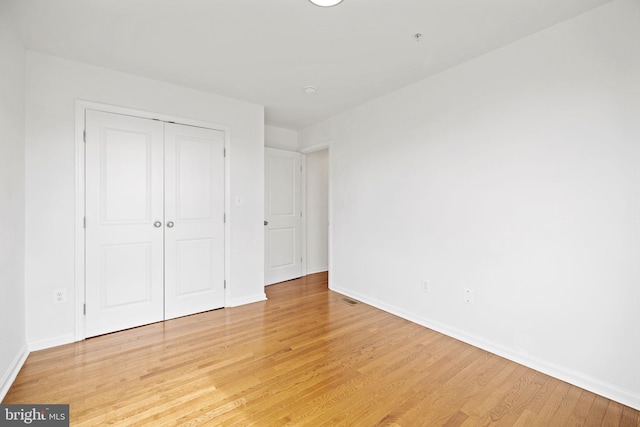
[224,152]
[225,284]
[224,218]
[84,309]
[84,135]
[300,214]
[84,222]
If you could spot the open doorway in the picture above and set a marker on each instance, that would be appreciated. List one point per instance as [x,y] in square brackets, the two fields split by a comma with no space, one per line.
[317,209]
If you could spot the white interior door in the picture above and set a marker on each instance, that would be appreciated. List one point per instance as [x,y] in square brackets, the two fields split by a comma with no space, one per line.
[194,213]
[154,221]
[283,216]
[124,217]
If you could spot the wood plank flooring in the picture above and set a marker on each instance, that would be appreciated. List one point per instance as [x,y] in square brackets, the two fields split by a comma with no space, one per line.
[304,357]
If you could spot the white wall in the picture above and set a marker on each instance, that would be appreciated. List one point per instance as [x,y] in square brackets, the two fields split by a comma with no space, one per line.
[516,175]
[314,135]
[13,348]
[317,192]
[53,85]
[281,138]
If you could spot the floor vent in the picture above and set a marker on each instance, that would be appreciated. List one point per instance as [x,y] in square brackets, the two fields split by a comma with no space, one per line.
[349,301]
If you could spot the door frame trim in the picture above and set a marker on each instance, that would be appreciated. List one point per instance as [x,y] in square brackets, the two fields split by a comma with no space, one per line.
[307,150]
[81,106]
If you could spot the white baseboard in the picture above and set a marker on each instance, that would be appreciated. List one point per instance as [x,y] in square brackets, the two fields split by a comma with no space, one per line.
[591,384]
[317,270]
[234,302]
[51,342]
[10,376]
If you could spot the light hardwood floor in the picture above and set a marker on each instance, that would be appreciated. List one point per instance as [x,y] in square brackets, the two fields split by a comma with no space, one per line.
[303,357]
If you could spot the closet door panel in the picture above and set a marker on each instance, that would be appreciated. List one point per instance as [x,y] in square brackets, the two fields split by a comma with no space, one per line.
[124,198]
[194,212]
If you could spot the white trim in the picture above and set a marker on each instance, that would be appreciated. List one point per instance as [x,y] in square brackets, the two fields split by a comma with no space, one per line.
[81,107]
[329,215]
[107,108]
[227,212]
[51,342]
[303,208]
[79,249]
[315,147]
[318,270]
[247,300]
[11,374]
[575,378]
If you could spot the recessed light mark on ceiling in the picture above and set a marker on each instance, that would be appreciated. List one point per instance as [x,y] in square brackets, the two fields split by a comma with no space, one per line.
[417,36]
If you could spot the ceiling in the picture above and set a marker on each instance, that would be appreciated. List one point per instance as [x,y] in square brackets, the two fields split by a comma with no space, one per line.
[267,51]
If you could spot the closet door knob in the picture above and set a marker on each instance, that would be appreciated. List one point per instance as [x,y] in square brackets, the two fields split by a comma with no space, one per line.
[170,224]
[157,224]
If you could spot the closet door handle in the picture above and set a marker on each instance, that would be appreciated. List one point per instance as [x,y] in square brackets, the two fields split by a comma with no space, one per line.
[157,224]
[170,224]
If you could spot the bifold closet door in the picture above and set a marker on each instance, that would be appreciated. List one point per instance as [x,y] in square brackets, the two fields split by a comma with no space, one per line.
[124,268]
[154,236]
[194,212]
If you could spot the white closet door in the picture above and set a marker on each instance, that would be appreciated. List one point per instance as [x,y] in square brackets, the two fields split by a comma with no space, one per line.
[194,213]
[283,216]
[124,218]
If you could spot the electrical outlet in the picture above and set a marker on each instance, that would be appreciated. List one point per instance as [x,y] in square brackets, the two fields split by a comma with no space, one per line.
[426,286]
[60,296]
[469,297]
